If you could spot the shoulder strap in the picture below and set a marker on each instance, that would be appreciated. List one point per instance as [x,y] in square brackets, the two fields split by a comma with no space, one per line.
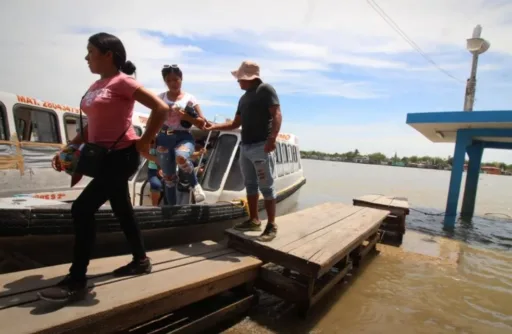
[81,118]
[121,136]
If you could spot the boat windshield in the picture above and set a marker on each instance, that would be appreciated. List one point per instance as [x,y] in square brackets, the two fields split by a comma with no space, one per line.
[218,162]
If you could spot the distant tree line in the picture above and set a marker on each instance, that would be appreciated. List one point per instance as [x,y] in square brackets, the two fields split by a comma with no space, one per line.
[378,157]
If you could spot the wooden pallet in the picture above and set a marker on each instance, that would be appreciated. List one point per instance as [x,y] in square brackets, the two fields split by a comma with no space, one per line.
[181,276]
[201,316]
[314,249]
[394,226]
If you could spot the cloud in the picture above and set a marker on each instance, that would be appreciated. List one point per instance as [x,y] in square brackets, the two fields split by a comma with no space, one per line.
[324,55]
[319,54]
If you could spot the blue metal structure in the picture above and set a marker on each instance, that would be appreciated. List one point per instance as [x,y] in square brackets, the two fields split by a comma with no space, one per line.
[471,132]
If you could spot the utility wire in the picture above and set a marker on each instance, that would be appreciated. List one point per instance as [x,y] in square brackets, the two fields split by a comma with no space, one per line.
[402,34]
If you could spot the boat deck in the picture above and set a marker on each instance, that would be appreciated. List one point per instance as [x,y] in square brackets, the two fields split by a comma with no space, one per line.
[180,277]
[319,245]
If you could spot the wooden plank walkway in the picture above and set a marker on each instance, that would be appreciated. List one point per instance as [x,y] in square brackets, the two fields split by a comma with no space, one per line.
[181,276]
[312,242]
[397,205]
[394,225]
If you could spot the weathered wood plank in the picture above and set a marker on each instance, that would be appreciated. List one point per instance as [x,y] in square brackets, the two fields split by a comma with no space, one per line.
[23,289]
[396,205]
[316,228]
[294,221]
[276,250]
[199,316]
[342,240]
[399,203]
[30,296]
[322,291]
[134,297]
[294,226]
[317,242]
[33,279]
[213,319]
[369,198]
[276,283]
[377,199]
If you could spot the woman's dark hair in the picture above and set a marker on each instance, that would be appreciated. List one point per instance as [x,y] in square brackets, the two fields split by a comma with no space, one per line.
[107,42]
[174,69]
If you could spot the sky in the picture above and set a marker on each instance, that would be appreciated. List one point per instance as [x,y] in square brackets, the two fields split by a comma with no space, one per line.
[346,80]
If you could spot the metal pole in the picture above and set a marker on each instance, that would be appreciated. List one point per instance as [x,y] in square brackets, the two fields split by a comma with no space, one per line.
[205,144]
[201,159]
[471,85]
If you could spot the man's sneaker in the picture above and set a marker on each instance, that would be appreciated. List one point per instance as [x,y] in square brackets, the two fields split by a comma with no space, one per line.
[136,267]
[198,192]
[67,290]
[269,233]
[249,225]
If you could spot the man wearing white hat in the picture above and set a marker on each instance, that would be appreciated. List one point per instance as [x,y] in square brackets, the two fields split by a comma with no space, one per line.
[259,115]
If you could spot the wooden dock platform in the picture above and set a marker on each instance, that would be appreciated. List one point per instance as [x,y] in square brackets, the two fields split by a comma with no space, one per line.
[186,291]
[394,226]
[313,250]
[181,276]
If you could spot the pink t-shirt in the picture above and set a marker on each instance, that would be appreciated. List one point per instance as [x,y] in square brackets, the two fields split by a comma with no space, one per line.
[108,105]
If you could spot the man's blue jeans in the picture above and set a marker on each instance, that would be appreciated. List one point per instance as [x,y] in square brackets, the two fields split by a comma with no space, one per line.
[258,169]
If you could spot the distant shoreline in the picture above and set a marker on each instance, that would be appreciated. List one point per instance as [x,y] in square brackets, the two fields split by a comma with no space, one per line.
[394,164]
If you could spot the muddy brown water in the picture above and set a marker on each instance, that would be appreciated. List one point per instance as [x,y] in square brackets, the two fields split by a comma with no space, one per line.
[436,283]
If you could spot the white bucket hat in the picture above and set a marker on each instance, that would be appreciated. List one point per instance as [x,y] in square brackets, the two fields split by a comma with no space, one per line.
[248,70]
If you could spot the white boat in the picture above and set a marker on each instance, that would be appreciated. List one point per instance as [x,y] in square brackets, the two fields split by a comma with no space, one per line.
[35,218]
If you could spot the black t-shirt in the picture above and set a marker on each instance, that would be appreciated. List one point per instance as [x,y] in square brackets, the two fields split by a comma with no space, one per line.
[253,109]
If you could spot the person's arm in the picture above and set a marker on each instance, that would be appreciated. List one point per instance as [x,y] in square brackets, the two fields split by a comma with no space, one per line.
[131,88]
[159,112]
[197,154]
[277,119]
[198,122]
[231,125]
[272,101]
[149,157]
[199,112]
[79,139]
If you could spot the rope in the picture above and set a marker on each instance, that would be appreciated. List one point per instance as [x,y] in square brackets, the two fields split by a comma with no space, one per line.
[444,213]
[238,203]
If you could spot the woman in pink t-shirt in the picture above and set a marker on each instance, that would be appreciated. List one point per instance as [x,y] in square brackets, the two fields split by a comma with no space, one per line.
[108,105]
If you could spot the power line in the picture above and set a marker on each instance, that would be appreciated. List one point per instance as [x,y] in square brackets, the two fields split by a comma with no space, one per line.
[402,34]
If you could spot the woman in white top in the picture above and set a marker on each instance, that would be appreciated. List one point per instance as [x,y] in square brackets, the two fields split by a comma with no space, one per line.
[175,143]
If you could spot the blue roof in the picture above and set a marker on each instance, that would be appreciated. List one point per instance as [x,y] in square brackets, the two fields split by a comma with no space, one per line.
[495,116]
[442,127]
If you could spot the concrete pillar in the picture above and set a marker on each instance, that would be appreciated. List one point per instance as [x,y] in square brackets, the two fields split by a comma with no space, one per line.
[452,201]
[475,152]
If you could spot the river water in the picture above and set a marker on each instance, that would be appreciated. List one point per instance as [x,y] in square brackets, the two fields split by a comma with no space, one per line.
[409,294]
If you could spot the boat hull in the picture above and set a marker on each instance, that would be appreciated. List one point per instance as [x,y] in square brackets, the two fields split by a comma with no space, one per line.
[44,236]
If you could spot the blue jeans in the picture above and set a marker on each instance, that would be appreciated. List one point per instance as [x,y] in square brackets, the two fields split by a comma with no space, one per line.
[258,170]
[174,148]
[154,181]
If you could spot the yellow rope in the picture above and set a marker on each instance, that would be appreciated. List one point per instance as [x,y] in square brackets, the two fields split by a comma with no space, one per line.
[242,202]
[245,205]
